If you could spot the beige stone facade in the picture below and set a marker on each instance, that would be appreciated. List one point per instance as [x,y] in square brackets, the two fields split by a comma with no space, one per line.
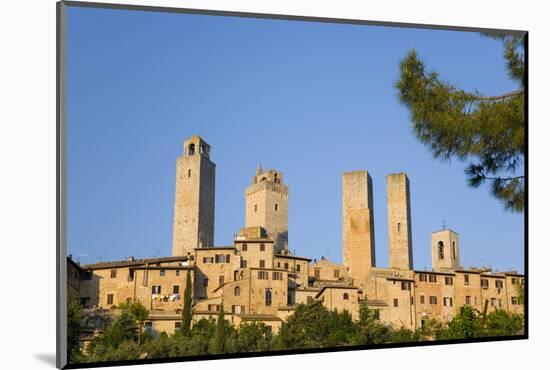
[258,279]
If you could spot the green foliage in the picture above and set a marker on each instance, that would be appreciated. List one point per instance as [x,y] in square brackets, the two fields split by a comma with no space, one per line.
[74,329]
[187,303]
[466,324]
[310,326]
[453,123]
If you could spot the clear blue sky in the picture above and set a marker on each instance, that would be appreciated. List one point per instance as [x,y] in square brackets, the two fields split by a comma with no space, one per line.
[313,100]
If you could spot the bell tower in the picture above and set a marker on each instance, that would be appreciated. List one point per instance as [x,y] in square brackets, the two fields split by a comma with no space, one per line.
[445,251]
[194,200]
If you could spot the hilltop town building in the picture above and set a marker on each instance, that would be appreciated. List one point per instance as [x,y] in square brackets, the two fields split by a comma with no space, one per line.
[258,279]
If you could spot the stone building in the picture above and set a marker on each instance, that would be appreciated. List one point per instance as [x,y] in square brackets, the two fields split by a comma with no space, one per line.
[257,278]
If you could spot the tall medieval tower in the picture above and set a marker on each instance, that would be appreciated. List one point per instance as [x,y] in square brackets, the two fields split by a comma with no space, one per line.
[194,203]
[399,222]
[358,225]
[267,205]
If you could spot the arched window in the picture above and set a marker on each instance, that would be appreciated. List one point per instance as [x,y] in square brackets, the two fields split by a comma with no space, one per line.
[237,291]
[191,150]
[276,206]
[346,296]
[440,251]
[454,250]
[189,173]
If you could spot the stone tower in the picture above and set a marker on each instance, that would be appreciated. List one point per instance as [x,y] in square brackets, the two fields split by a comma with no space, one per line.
[267,205]
[357,225]
[445,251]
[399,222]
[194,203]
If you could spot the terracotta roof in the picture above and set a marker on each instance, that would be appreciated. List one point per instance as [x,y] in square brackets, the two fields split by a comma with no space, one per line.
[335,287]
[136,262]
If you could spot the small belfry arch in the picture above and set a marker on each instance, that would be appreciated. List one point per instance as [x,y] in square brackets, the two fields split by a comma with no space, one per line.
[440,250]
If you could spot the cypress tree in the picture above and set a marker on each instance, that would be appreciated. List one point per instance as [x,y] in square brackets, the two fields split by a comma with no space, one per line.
[187,302]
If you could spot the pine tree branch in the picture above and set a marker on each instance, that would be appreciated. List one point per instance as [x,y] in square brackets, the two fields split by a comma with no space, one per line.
[500,97]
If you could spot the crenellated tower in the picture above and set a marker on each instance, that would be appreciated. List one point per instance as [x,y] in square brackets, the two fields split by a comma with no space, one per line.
[267,205]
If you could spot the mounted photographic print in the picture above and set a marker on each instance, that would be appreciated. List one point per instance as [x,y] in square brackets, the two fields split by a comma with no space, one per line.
[235,185]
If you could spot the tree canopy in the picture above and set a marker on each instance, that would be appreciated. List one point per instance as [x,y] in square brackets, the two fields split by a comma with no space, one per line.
[486,131]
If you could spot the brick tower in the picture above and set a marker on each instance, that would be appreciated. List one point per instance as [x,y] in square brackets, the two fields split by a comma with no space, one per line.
[267,205]
[194,201]
[399,222]
[358,225]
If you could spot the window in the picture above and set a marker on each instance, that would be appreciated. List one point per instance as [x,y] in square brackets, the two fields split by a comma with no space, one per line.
[162,272]
[466,279]
[177,325]
[268,296]
[448,280]
[447,302]
[398,226]
[493,302]
[404,285]
[189,173]
[498,284]
[500,302]
[255,207]
[484,283]
[262,247]
[433,278]
[433,299]
[422,277]
[346,296]
[176,289]
[276,206]
[277,275]
[263,275]
[205,282]
[454,250]
[208,260]
[421,299]
[237,291]
[262,264]
[221,280]
[440,252]
[395,302]
[245,247]
[227,257]
[286,265]
[467,300]
[191,150]
[110,298]
[113,274]
[213,307]
[243,264]
[317,273]
[269,328]
[237,309]
[298,268]
[155,289]
[515,300]
[514,281]
[336,274]
[177,272]
[131,275]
